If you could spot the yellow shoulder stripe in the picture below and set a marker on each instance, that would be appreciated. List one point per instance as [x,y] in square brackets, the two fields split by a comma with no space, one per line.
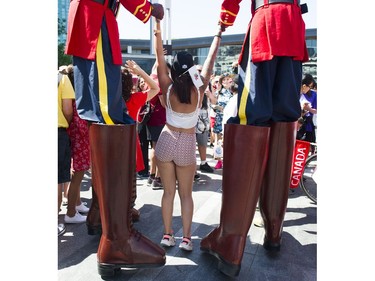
[229,12]
[138,7]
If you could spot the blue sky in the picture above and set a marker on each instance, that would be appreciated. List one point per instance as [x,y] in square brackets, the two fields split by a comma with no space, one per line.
[198,18]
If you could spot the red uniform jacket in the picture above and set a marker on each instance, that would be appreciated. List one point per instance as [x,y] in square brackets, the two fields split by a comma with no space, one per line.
[276,30]
[84,22]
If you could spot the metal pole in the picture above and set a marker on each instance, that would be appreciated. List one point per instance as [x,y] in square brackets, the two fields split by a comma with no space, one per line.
[168,7]
[152,52]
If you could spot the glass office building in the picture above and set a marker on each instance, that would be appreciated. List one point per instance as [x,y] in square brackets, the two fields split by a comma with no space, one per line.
[228,53]
[62,15]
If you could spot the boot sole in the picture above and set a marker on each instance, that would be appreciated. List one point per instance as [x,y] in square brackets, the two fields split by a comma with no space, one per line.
[94,230]
[228,269]
[272,248]
[108,270]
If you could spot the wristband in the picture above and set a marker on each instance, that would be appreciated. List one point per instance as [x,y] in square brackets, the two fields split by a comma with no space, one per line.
[217,35]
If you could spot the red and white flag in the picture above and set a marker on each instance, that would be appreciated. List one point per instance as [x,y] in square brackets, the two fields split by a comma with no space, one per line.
[301,151]
[195,76]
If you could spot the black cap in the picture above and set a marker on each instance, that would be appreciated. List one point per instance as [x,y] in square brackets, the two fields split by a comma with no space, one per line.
[182,61]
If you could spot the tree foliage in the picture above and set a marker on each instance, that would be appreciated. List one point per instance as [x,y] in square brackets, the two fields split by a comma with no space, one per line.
[62,58]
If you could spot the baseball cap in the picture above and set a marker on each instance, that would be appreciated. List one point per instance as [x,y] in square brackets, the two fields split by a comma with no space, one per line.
[182,61]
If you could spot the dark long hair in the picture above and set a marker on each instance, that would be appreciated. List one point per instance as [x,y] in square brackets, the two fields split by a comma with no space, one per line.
[182,87]
[182,83]
[71,78]
[204,102]
[127,84]
[70,73]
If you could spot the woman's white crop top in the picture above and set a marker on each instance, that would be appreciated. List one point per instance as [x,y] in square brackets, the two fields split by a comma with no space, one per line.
[181,120]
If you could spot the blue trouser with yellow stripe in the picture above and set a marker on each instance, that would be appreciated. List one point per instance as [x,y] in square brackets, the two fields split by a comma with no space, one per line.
[98,86]
[269,92]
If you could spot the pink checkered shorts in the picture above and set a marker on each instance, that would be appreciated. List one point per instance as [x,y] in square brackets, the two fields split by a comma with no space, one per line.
[176,146]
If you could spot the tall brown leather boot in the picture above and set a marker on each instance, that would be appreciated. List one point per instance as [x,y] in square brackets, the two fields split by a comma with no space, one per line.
[93,223]
[134,212]
[275,187]
[245,155]
[113,158]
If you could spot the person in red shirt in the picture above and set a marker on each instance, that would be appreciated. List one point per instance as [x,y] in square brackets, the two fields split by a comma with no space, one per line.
[260,139]
[93,41]
[135,100]
[154,128]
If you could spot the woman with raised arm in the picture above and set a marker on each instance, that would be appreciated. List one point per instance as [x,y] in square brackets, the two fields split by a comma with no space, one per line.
[134,101]
[175,150]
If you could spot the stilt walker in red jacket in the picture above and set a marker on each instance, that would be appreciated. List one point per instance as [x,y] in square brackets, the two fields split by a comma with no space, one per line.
[260,140]
[93,41]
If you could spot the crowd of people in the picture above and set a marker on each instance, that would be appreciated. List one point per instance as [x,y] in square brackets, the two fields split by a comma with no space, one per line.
[190,107]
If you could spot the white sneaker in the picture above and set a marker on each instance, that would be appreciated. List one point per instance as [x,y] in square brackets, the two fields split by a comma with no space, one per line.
[78,218]
[186,244]
[258,222]
[65,201]
[82,208]
[168,240]
[61,229]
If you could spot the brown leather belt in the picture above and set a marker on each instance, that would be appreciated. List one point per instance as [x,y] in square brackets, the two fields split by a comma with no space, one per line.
[260,3]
